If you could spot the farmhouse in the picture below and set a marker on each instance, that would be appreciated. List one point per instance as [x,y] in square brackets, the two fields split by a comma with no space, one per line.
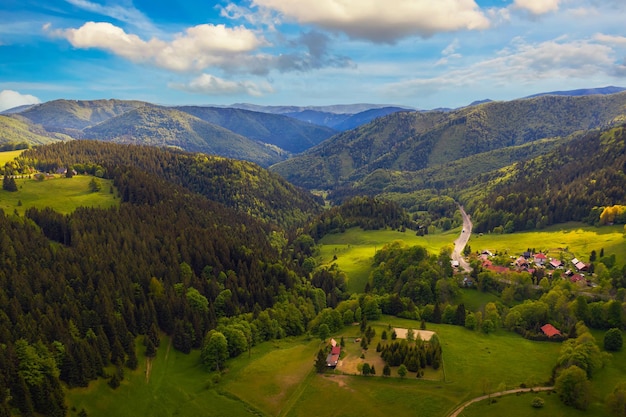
[580,266]
[555,263]
[549,330]
[333,357]
[540,258]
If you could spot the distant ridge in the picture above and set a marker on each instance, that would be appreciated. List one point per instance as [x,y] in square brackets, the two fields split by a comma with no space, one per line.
[336,108]
[582,92]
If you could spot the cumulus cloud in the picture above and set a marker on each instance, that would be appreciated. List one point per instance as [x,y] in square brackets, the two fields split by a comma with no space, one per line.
[521,63]
[197,48]
[537,7]
[10,99]
[383,22]
[211,85]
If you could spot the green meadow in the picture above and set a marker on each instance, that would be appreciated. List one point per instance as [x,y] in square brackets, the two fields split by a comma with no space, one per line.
[277,379]
[571,239]
[62,194]
[9,156]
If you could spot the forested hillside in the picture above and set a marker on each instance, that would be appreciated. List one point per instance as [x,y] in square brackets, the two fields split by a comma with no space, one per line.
[241,185]
[407,142]
[573,182]
[76,290]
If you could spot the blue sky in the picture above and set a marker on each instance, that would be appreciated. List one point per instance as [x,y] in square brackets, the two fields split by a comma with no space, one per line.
[419,53]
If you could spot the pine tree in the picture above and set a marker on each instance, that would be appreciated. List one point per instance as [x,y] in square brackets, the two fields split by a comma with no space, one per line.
[320,362]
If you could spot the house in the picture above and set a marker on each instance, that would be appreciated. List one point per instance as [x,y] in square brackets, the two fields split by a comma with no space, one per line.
[455,264]
[578,279]
[521,263]
[580,266]
[549,330]
[555,263]
[333,357]
[540,259]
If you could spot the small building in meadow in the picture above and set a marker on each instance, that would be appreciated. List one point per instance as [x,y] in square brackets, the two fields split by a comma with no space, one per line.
[333,357]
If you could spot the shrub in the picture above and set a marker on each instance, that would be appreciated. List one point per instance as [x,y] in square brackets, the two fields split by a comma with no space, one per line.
[537,402]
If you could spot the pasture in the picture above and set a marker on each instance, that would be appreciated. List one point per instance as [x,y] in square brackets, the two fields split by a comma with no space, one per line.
[278,380]
[570,239]
[7,156]
[62,194]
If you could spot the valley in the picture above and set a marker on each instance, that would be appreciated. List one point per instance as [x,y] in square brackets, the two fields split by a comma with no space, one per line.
[186,262]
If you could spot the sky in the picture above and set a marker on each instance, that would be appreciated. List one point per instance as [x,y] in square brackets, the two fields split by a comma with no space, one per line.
[423,54]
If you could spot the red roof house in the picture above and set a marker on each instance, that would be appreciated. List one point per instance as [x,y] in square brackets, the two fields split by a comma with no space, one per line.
[549,330]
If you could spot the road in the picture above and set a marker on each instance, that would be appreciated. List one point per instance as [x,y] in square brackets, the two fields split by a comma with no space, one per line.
[459,244]
[459,410]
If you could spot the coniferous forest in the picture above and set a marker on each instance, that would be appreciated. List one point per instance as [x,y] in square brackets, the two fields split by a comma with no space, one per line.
[182,250]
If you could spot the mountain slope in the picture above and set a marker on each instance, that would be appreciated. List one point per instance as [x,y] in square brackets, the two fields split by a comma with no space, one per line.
[287,133]
[14,129]
[165,127]
[343,121]
[419,140]
[64,115]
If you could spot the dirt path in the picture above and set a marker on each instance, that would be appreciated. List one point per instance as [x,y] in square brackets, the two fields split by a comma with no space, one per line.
[459,244]
[149,362]
[460,409]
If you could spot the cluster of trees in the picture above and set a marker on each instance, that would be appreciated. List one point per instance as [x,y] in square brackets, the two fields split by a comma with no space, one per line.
[413,273]
[414,355]
[369,213]
[13,146]
[577,362]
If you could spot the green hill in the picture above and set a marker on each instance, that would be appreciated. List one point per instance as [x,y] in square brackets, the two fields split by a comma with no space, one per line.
[14,130]
[165,127]
[239,185]
[285,132]
[68,115]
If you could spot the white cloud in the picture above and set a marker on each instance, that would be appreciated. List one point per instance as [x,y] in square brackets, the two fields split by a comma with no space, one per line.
[521,64]
[10,99]
[610,39]
[197,48]
[383,22]
[211,85]
[537,7]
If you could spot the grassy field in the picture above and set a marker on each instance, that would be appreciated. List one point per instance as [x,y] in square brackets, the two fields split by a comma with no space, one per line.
[571,239]
[9,156]
[277,380]
[62,194]
[177,386]
[354,250]
[520,406]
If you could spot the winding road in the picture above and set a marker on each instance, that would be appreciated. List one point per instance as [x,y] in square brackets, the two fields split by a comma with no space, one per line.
[459,244]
